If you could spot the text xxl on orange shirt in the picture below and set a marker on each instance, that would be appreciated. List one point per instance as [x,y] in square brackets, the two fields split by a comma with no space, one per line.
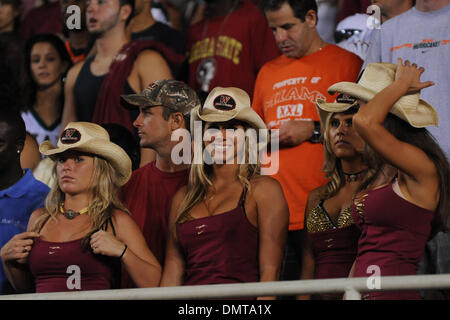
[287,89]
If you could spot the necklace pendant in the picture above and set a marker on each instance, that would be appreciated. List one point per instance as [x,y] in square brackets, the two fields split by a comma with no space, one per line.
[70,214]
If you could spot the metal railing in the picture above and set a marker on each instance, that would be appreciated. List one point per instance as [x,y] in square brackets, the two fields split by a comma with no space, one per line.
[351,286]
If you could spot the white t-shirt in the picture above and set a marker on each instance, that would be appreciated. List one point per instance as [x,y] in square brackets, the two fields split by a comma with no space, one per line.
[37,128]
[422,38]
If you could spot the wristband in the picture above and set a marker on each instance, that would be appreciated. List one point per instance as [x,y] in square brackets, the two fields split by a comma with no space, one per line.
[123,252]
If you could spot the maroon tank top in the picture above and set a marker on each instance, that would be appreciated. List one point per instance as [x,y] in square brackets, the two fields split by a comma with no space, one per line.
[394,232]
[67,266]
[334,244]
[220,249]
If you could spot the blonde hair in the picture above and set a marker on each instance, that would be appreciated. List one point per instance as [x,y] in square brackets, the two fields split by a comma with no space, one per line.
[104,187]
[200,176]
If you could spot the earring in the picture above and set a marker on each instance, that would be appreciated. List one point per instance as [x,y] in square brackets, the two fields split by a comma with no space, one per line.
[18,151]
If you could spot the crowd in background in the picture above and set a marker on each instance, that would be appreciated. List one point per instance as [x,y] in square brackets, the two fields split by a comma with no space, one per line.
[65,64]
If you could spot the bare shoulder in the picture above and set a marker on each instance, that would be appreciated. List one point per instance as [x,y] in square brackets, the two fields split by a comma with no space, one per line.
[317,193]
[73,72]
[179,195]
[149,56]
[35,216]
[37,213]
[264,185]
[120,216]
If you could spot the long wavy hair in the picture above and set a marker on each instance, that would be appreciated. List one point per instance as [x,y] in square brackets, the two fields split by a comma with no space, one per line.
[104,188]
[201,174]
[60,47]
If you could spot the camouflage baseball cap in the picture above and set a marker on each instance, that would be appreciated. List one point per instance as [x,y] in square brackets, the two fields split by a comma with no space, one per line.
[172,94]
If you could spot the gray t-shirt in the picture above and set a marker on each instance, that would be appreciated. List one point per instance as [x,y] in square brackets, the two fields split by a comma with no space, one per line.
[422,38]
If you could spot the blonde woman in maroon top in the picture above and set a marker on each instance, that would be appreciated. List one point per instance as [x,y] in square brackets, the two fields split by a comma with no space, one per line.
[230,223]
[84,232]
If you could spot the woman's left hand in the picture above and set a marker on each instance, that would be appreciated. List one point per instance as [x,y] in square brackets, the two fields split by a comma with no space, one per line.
[107,244]
[410,76]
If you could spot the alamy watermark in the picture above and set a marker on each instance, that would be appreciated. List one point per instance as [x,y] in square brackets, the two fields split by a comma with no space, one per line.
[374,21]
[73,21]
[211,146]
[374,280]
[73,282]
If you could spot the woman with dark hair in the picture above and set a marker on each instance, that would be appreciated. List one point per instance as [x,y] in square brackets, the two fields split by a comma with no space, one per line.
[46,62]
[224,228]
[396,219]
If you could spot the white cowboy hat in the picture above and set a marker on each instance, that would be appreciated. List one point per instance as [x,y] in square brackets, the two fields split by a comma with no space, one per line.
[91,138]
[377,76]
[224,104]
[342,104]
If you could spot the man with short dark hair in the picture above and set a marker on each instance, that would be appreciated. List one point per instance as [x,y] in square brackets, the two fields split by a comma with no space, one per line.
[286,90]
[93,87]
[164,107]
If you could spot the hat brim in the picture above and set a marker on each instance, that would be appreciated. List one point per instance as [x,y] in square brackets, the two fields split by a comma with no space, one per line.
[247,115]
[325,109]
[422,115]
[134,101]
[111,152]
[352,89]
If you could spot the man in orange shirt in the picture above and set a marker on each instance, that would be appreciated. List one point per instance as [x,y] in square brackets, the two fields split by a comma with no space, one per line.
[284,96]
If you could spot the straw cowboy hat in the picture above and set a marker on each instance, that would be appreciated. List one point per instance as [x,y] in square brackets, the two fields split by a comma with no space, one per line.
[342,104]
[377,76]
[224,104]
[91,138]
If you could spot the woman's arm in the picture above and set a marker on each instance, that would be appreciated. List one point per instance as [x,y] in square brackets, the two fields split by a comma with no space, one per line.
[174,264]
[273,224]
[368,122]
[130,245]
[15,257]
[69,112]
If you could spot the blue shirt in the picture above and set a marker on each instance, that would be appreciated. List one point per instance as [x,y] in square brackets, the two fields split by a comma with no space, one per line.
[16,205]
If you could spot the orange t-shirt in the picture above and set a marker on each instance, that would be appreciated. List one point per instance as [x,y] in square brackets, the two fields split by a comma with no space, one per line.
[286,89]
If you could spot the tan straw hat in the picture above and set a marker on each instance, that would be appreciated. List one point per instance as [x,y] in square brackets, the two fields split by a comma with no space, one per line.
[91,138]
[343,103]
[377,76]
[224,104]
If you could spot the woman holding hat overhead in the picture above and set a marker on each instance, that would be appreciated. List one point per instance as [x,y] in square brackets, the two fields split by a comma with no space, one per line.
[331,241]
[225,228]
[79,240]
[397,218]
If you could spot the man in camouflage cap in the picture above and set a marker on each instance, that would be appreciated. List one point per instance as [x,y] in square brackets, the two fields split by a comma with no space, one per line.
[164,107]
